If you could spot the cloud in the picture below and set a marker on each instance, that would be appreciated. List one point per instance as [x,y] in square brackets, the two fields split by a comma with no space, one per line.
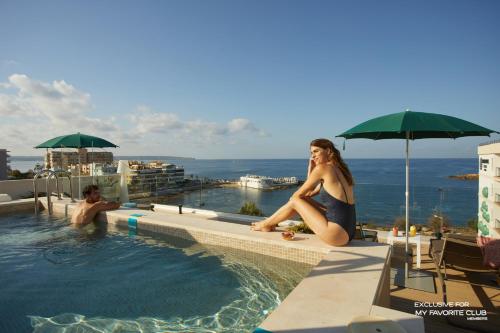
[151,122]
[46,109]
[8,63]
[33,111]
[244,125]
[58,102]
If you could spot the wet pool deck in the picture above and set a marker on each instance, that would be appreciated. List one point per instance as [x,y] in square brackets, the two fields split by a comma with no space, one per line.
[345,282]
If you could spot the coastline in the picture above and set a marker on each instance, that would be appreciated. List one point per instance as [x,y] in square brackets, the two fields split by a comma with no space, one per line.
[467,176]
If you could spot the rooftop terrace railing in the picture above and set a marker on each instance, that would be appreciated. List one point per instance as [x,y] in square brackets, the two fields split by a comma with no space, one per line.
[489,142]
[50,174]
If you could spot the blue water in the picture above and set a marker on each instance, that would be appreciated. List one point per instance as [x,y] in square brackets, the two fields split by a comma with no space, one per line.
[55,278]
[379,190]
[380,186]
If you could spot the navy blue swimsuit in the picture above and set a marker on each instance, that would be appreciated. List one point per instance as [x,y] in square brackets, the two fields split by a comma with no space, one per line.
[340,212]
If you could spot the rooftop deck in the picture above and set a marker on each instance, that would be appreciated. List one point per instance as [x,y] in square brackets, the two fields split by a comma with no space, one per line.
[479,290]
[337,268]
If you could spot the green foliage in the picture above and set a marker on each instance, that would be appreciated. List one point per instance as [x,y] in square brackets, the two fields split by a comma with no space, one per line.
[484,206]
[250,208]
[400,222]
[485,192]
[483,228]
[472,223]
[16,174]
[438,221]
[484,211]
[301,228]
[370,225]
[419,227]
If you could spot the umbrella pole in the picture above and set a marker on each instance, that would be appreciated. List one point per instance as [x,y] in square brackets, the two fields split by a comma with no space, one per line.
[407,195]
[79,177]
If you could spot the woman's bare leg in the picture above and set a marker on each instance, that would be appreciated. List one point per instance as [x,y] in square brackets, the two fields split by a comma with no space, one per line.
[330,233]
[285,212]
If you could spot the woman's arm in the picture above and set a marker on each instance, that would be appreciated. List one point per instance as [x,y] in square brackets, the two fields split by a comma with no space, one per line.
[315,191]
[311,184]
[310,168]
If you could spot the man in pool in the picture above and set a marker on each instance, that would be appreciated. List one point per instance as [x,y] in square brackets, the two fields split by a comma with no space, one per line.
[92,204]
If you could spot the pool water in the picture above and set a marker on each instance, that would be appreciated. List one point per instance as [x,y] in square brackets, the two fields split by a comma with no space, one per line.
[56,278]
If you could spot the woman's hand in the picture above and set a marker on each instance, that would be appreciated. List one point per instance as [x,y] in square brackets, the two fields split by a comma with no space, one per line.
[310,167]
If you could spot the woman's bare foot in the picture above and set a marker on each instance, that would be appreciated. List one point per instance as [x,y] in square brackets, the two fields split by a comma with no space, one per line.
[261,226]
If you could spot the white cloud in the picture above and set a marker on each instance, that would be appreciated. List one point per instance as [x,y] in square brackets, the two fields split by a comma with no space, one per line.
[244,125]
[240,124]
[153,122]
[58,101]
[42,110]
[150,122]
[33,111]
[8,63]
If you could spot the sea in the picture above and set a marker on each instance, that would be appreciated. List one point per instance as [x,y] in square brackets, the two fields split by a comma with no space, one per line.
[379,186]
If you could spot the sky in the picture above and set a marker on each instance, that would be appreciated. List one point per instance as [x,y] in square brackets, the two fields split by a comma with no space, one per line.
[244,79]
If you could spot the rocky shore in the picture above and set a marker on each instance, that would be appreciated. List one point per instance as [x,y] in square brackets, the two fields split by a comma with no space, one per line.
[467,176]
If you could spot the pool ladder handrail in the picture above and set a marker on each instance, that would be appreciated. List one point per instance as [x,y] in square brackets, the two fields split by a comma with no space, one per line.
[51,174]
[66,174]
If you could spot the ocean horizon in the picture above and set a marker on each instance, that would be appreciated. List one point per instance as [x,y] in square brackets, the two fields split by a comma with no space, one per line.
[379,190]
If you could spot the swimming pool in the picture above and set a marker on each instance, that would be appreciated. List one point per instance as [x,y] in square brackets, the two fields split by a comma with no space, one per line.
[55,278]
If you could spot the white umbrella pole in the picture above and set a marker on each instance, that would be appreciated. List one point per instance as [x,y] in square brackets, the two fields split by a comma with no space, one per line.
[407,195]
[79,177]
[92,162]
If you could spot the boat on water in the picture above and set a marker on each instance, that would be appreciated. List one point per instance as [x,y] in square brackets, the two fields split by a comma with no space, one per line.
[266,183]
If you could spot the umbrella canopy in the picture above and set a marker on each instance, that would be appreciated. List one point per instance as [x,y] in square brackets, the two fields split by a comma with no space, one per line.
[77,140]
[419,125]
[412,125]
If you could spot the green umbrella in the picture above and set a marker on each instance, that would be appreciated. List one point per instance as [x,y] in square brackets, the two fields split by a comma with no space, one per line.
[412,125]
[418,125]
[77,140]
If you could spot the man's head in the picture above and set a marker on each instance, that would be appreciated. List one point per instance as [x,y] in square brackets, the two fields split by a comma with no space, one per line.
[91,193]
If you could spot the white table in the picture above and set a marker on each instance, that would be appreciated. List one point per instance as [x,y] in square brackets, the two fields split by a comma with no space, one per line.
[411,240]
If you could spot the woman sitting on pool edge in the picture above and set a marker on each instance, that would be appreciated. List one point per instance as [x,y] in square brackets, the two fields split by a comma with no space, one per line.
[334,219]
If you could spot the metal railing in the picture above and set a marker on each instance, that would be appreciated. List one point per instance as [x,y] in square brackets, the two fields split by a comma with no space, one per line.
[51,174]
[489,142]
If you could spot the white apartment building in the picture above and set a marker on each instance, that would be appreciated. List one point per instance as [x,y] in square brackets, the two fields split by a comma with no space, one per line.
[56,159]
[489,190]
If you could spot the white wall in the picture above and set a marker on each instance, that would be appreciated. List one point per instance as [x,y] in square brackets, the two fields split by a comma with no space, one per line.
[24,187]
[489,191]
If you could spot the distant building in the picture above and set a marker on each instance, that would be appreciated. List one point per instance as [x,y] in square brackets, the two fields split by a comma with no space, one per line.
[264,182]
[71,159]
[102,169]
[154,178]
[489,190]
[4,163]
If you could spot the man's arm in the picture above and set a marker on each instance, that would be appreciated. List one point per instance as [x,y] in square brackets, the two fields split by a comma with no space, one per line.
[104,205]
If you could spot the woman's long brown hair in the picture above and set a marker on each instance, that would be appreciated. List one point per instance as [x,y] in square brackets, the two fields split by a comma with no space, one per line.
[335,156]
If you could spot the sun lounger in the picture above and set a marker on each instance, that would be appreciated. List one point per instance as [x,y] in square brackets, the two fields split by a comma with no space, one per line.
[465,256]
[460,255]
